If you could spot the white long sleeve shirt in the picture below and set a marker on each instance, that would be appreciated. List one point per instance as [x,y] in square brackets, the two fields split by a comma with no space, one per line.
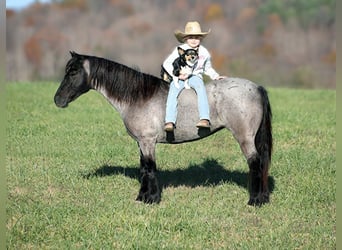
[203,65]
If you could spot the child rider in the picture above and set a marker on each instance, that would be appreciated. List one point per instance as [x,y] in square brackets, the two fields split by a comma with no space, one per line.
[191,38]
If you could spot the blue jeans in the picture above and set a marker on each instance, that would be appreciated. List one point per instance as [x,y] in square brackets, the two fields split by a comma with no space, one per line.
[171,105]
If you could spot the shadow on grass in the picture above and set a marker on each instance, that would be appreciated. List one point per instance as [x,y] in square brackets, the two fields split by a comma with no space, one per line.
[209,173]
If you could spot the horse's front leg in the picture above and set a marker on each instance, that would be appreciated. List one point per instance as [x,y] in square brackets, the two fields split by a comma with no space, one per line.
[150,191]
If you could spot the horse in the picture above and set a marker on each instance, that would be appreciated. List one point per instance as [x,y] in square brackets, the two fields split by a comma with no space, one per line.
[236,104]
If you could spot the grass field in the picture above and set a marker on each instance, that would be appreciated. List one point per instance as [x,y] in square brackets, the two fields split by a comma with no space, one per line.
[72,179]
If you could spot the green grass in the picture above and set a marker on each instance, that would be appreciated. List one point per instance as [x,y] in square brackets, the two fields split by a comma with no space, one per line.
[72,179]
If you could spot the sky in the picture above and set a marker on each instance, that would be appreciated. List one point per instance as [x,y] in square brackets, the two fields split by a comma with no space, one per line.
[19,4]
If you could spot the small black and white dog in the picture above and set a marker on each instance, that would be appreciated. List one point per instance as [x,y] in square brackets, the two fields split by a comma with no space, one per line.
[184,64]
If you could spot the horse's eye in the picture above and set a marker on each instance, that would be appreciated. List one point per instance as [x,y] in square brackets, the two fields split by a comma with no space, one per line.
[73,73]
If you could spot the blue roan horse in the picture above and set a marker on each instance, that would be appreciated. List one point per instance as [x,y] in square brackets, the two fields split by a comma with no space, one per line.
[236,104]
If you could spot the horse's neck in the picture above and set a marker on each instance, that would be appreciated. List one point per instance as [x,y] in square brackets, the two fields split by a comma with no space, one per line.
[119,106]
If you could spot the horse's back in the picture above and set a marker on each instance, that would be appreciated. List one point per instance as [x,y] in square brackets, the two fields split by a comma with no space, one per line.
[233,97]
[234,104]
[233,91]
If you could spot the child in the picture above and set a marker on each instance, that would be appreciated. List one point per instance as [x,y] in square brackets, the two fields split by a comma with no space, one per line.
[191,38]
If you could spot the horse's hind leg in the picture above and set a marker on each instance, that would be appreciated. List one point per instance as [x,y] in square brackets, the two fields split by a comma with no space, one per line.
[149,190]
[258,173]
[258,181]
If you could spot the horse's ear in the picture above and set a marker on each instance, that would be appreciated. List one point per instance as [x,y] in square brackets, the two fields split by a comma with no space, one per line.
[86,66]
[72,53]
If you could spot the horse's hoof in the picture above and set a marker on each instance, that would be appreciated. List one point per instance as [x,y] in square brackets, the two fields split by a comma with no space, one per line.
[259,200]
[149,199]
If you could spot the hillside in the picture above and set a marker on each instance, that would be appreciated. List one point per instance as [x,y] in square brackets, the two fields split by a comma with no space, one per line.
[275,43]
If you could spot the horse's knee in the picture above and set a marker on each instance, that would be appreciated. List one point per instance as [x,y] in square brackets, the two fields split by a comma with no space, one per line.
[147,165]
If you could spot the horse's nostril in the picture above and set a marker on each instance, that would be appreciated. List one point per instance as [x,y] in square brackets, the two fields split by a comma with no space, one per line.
[56,99]
[60,102]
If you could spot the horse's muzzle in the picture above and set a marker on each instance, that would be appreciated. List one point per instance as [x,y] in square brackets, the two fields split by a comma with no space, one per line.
[60,102]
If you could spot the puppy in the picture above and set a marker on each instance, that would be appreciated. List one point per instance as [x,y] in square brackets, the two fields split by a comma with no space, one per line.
[182,65]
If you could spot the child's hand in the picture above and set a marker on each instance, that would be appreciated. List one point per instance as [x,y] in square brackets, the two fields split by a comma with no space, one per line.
[183,77]
[220,77]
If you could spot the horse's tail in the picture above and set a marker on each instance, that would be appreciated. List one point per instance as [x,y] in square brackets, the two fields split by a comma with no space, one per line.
[263,139]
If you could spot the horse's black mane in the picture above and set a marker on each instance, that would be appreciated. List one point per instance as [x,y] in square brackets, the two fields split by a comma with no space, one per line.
[121,82]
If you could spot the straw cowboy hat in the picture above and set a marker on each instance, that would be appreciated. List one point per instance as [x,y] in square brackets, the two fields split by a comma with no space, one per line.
[191,29]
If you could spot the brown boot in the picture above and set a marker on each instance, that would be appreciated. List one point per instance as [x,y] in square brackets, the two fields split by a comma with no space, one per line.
[169,127]
[203,123]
